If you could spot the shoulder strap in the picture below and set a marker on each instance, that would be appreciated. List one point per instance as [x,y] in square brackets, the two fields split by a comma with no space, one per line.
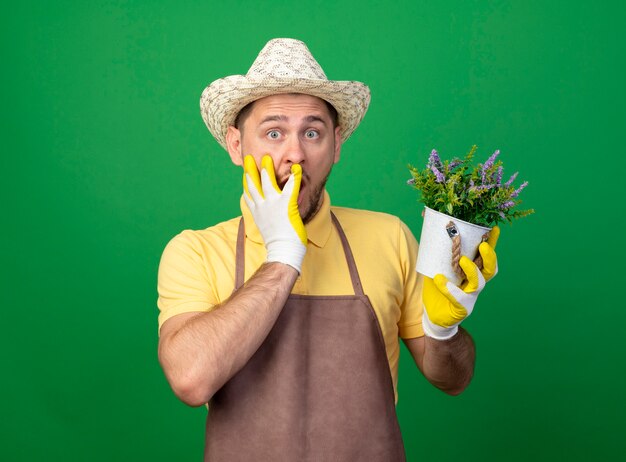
[354,273]
[240,255]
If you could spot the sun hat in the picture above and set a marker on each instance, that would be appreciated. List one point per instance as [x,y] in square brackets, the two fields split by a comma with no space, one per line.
[283,66]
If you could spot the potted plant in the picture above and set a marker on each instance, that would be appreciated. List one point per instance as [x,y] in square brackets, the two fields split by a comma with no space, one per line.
[462,202]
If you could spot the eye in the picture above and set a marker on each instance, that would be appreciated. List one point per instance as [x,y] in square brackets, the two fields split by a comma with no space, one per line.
[273,134]
[312,134]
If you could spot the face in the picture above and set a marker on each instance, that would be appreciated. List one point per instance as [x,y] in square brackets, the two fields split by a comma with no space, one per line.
[292,129]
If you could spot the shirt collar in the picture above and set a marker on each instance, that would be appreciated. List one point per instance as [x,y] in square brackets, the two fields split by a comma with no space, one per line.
[317,230]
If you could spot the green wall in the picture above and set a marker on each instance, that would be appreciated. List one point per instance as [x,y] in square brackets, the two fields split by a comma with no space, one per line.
[105,158]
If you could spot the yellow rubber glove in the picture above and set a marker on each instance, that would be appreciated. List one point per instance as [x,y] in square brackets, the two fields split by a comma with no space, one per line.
[275,212]
[446,305]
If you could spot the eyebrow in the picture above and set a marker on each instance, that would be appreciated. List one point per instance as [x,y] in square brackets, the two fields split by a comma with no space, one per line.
[274,118]
[283,118]
[314,118]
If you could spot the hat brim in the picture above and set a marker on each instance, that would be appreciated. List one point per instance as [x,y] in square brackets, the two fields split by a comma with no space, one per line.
[223,99]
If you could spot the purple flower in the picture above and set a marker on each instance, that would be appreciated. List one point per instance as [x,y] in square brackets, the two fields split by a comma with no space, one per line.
[438,174]
[491,160]
[499,176]
[502,215]
[487,165]
[519,190]
[506,205]
[411,181]
[454,164]
[435,165]
[434,159]
[511,180]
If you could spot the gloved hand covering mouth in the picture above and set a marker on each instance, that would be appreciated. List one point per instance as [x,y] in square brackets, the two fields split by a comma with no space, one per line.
[275,211]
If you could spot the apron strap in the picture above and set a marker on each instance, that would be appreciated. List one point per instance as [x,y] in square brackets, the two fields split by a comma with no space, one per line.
[240,261]
[240,255]
[354,273]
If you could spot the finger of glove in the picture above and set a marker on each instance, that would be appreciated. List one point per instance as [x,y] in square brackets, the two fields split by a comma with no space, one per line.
[490,260]
[475,279]
[452,294]
[268,165]
[292,189]
[253,195]
[447,290]
[296,170]
[268,182]
[250,169]
[494,234]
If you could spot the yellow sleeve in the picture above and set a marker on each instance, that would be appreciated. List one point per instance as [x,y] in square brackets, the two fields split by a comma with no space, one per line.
[410,324]
[183,283]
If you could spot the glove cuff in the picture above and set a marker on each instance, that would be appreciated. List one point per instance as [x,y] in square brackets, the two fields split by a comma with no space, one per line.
[289,253]
[435,331]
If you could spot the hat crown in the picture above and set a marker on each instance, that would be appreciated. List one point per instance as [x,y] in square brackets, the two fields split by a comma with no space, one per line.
[286,58]
[283,66]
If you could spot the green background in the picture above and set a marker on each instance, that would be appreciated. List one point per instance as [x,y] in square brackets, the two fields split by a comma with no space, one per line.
[105,158]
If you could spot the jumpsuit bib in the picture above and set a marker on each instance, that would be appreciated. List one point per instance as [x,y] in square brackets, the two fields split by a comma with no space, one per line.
[317,389]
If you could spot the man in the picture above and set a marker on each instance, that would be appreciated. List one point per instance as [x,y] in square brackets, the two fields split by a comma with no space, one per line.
[286,321]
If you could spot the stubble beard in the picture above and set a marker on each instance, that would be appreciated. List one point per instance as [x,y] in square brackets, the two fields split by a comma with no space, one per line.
[315,203]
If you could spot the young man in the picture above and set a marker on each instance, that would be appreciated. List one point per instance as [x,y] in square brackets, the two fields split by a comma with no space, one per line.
[286,320]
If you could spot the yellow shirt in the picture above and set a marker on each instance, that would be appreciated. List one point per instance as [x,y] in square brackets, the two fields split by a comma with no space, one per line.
[197,268]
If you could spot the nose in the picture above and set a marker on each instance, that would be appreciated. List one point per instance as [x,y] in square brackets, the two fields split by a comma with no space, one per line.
[293,151]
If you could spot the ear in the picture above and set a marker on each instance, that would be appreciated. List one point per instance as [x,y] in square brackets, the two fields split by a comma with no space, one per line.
[233,143]
[338,143]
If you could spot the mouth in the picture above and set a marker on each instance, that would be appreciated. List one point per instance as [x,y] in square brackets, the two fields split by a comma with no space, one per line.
[301,193]
[303,183]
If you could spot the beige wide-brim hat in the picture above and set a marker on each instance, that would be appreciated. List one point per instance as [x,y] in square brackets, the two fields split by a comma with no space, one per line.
[282,66]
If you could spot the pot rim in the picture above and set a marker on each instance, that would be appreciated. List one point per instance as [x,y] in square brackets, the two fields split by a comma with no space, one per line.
[458,219]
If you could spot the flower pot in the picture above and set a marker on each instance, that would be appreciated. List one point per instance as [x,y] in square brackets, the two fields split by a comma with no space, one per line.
[440,233]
